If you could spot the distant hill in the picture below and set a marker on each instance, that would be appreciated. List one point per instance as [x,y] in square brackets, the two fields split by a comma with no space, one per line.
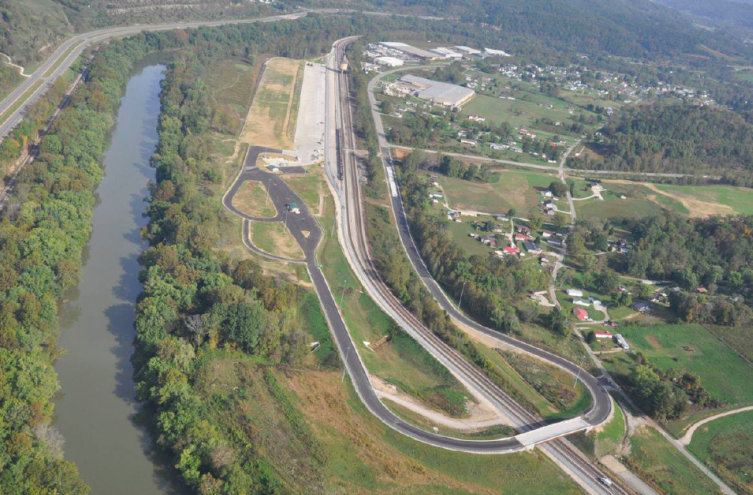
[721,12]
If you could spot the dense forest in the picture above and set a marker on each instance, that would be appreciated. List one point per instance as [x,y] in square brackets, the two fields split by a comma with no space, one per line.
[715,254]
[195,300]
[43,231]
[681,138]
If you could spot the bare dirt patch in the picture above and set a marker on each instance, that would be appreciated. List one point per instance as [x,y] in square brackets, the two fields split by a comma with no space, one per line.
[270,121]
[653,342]
[697,208]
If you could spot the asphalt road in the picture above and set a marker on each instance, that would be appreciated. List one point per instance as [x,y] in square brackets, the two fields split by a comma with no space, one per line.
[306,230]
[68,51]
[601,409]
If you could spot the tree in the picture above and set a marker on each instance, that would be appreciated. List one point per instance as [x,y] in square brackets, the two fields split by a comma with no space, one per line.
[558,322]
[558,188]
[576,245]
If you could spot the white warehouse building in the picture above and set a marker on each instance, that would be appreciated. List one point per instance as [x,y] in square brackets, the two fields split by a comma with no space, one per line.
[389,61]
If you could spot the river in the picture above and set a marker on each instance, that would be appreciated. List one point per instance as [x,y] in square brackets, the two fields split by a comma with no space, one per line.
[96,411]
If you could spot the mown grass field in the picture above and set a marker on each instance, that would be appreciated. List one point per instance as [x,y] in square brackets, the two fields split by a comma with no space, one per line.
[310,187]
[739,339]
[519,113]
[657,462]
[276,239]
[738,199]
[726,445]
[723,373]
[508,189]
[639,202]
[252,199]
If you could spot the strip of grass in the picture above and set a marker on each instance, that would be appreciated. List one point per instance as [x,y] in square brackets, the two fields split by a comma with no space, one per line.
[726,445]
[739,339]
[60,60]
[657,462]
[312,318]
[21,100]
[401,361]
[610,437]
[308,186]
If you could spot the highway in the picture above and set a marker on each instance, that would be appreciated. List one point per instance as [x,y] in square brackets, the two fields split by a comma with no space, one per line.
[355,241]
[68,51]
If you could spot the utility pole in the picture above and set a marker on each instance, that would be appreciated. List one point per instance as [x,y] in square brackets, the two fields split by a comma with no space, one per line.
[460,301]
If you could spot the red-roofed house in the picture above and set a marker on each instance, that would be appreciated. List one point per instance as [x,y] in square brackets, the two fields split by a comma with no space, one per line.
[603,335]
[580,313]
[511,249]
[522,237]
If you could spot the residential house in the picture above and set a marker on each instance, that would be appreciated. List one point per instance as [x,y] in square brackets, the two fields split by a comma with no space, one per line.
[580,314]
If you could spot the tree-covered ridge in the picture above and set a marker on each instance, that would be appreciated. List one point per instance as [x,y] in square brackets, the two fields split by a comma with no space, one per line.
[43,230]
[680,138]
[196,300]
[714,254]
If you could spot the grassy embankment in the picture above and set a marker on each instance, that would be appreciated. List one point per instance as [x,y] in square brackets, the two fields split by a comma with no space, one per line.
[658,463]
[726,445]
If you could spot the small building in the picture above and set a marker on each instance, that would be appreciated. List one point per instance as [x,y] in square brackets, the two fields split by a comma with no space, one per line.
[522,237]
[702,290]
[524,229]
[531,247]
[581,302]
[511,250]
[642,307]
[603,335]
[621,341]
[580,314]
[574,293]
[546,234]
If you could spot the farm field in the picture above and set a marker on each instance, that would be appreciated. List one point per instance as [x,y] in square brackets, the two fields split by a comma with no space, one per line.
[518,113]
[712,199]
[508,189]
[726,445]
[657,462]
[639,202]
[739,339]
[723,373]
[271,120]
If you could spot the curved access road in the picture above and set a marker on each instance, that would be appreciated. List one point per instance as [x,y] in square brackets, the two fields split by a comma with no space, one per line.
[688,436]
[37,83]
[306,230]
[601,409]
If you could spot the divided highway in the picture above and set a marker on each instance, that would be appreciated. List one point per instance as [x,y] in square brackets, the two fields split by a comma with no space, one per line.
[34,86]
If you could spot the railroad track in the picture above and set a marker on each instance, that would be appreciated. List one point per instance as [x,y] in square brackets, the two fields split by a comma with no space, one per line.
[560,450]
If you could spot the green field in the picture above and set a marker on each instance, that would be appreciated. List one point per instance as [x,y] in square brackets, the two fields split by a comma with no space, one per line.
[738,199]
[232,85]
[739,339]
[518,113]
[507,189]
[656,461]
[745,75]
[402,361]
[639,202]
[723,373]
[726,445]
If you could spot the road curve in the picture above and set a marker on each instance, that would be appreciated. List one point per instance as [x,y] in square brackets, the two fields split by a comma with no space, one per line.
[68,51]
[281,195]
[601,409]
